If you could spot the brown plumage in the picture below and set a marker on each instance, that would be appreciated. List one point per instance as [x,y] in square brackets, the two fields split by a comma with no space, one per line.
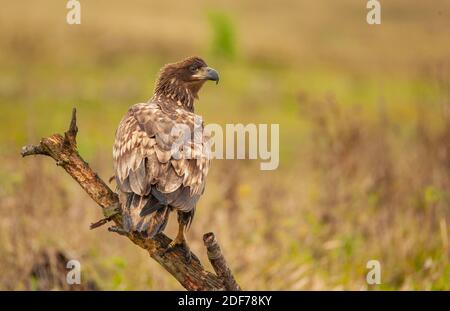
[151,179]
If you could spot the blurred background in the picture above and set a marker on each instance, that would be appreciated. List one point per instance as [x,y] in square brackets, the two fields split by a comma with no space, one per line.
[364,114]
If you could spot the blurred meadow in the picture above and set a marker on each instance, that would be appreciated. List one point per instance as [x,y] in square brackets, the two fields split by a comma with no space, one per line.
[364,114]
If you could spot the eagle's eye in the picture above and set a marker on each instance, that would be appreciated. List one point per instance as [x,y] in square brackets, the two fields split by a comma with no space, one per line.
[193,68]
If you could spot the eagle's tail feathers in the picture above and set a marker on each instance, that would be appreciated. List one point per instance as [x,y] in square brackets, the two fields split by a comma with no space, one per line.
[154,223]
[145,214]
[152,205]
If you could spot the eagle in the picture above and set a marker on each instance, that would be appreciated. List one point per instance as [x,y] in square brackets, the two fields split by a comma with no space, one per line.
[161,155]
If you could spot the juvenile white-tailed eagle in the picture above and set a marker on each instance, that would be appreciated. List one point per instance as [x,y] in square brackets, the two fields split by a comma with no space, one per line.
[151,180]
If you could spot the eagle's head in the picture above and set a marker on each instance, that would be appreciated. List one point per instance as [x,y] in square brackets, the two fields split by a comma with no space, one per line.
[181,81]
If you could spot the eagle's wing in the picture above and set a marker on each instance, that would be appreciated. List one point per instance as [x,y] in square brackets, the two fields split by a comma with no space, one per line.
[145,165]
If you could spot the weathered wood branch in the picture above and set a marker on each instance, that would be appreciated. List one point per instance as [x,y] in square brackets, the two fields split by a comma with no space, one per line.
[192,276]
[218,262]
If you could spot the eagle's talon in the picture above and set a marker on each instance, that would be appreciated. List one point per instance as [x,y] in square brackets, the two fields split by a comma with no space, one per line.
[182,245]
[172,245]
[187,255]
[118,230]
[186,251]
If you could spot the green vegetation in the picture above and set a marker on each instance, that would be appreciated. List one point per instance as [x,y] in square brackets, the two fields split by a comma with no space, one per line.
[223,35]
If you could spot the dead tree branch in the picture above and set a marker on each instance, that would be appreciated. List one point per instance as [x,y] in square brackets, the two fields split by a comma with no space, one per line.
[192,276]
[218,262]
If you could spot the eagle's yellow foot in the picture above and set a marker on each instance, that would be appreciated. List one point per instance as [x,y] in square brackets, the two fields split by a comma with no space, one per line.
[180,242]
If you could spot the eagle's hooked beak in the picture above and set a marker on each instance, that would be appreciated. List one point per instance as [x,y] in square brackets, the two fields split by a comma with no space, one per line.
[212,74]
[208,73]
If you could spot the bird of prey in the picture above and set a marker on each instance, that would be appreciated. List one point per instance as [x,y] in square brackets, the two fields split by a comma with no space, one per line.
[153,180]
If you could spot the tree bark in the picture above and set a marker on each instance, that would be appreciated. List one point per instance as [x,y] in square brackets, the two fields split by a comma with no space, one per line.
[192,275]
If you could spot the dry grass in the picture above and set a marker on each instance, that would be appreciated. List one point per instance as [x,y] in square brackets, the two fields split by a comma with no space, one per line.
[364,115]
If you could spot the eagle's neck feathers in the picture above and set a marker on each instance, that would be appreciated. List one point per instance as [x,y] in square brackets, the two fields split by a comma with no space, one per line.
[171,92]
